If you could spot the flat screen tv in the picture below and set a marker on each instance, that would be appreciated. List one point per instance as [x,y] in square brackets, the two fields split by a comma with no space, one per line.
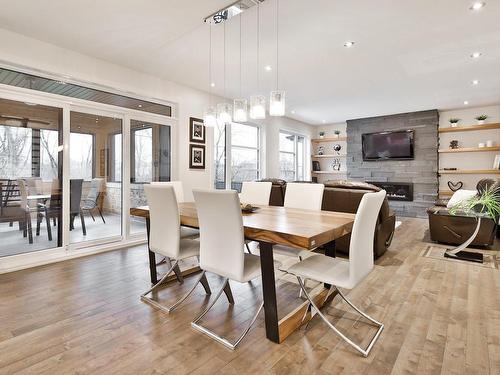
[394,145]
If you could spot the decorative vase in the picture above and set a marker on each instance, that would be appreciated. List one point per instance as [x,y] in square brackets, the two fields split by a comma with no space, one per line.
[454,124]
[480,122]
[321,136]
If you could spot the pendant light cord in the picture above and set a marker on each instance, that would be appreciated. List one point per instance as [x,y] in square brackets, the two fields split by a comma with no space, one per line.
[258,47]
[240,54]
[224,60]
[210,66]
[277,44]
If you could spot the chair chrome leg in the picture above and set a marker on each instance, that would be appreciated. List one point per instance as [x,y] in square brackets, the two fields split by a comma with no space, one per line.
[364,352]
[154,303]
[213,335]
[248,248]
[176,269]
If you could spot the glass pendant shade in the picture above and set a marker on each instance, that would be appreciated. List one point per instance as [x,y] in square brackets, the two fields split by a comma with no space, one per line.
[277,103]
[240,110]
[258,107]
[224,113]
[210,117]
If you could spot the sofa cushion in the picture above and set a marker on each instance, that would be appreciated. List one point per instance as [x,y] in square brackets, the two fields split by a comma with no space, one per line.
[355,185]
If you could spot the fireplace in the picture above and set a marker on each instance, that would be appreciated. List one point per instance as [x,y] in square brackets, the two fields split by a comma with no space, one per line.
[396,191]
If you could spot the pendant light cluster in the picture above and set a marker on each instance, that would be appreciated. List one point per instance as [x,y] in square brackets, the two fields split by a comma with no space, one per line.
[240,111]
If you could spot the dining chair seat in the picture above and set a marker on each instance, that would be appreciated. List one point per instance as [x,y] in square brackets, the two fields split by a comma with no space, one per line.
[187,232]
[329,270]
[291,251]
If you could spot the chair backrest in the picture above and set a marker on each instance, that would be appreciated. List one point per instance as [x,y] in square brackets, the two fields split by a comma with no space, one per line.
[164,227]
[75,195]
[95,189]
[363,232]
[221,232]
[305,196]
[55,195]
[177,185]
[34,185]
[23,194]
[256,193]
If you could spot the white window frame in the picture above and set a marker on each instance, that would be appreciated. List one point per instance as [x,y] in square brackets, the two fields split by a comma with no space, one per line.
[229,147]
[295,154]
[68,105]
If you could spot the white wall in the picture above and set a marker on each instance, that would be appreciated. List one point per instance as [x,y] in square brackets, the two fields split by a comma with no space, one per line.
[468,160]
[20,50]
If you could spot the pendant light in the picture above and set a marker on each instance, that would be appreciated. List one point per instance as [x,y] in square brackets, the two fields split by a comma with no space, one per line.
[210,114]
[224,109]
[277,97]
[258,102]
[240,106]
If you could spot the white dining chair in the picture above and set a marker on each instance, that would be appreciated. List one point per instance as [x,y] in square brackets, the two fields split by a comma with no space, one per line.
[255,193]
[186,232]
[346,274]
[222,250]
[303,196]
[165,239]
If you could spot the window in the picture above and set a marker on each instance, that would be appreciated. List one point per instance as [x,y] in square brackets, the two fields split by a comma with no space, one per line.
[15,152]
[244,154]
[238,146]
[115,158]
[49,141]
[81,155]
[292,156]
[142,170]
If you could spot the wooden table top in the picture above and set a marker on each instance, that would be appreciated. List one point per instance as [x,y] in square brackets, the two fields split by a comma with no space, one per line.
[298,228]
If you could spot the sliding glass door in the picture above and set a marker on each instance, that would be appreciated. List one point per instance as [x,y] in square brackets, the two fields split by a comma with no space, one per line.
[95,207]
[30,177]
[150,161]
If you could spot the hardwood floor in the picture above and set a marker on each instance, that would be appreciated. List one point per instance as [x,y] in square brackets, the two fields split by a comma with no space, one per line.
[85,316]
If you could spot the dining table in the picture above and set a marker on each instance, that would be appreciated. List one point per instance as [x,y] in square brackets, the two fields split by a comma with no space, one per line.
[270,226]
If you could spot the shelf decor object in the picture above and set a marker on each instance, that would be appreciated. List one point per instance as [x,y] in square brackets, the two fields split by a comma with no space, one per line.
[481,119]
[454,122]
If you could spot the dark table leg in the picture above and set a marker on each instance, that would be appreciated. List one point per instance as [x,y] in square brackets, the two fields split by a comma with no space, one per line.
[330,251]
[152,259]
[269,291]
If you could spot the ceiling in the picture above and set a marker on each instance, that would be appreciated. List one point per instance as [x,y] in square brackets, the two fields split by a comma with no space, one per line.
[408,55]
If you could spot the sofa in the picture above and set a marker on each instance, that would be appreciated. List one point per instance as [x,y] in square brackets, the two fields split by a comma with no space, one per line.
[455,229]
[345,196]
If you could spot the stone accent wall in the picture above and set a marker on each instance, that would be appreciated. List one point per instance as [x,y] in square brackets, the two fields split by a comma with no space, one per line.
[422,171]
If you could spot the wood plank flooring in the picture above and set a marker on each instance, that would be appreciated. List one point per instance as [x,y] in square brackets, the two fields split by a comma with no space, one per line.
[84,316]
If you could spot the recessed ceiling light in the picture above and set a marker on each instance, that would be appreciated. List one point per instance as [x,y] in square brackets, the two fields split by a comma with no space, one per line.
[477,5]
[212,84]
[475,82]
[349,44]
[268,68]
[476,55]
[293,112]
[140,105]
[466,102]
[323,121]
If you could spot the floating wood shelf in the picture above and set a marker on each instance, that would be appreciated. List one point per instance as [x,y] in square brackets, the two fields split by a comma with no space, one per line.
[329,172]
[329,156]
[469,128]
[469,149]
[329,139]
[445,193]
[470,171]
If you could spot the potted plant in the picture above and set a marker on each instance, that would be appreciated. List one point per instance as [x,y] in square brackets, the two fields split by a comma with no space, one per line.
[485,203]
[337,133]
[322,134]
[481,119]
[454,122]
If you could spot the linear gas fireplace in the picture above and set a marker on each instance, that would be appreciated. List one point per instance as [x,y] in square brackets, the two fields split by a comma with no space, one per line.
[396,191]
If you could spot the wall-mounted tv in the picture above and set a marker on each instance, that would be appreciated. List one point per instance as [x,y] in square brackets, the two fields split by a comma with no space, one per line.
[392,145]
